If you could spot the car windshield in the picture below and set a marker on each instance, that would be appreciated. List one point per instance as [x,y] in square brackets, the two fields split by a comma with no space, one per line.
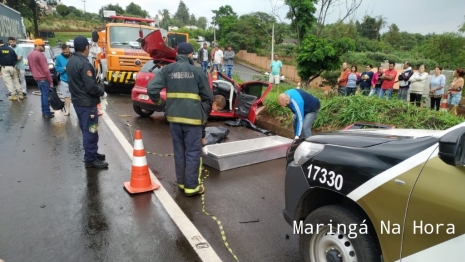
[174,39]
[125,36]
[28,49]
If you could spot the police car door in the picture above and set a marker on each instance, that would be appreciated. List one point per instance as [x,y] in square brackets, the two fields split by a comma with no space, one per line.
[435,221]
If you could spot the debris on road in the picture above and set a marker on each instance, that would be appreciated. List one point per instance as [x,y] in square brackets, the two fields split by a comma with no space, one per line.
[251,221]
[248,124]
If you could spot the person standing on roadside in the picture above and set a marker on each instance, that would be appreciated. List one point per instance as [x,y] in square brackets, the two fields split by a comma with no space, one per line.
[8,59]
[418,86]
[41,73]
[376,82]
[61,62]
[188,96]
[86,93]
[388,79]
[404,84]
[366,78]
[217,59]
[436,88]
[20,64]
[275,73]
[203,56]
[342,80]
[229,61]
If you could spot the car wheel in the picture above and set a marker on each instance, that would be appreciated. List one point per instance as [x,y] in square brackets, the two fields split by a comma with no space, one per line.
[142,112]
[330,243]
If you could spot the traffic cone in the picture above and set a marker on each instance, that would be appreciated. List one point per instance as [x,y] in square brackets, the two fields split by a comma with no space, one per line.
[140,177]
[215,75]
[444,106]
[99,110]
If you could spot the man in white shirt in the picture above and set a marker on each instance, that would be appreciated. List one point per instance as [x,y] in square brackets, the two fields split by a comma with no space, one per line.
[217,59]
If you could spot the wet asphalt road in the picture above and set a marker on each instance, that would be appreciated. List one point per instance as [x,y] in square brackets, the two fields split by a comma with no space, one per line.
[61,212]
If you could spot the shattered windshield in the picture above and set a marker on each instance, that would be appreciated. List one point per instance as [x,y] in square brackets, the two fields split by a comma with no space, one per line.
[126,37]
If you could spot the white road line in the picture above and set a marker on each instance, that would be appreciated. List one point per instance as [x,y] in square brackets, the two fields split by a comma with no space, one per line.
[188,229]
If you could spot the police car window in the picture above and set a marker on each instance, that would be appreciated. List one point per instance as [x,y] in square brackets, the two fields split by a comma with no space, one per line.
[122,36]
[28,49]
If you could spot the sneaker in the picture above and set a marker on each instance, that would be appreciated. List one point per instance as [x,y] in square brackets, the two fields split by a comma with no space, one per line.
[13,98]
[97,164]
[24,94]
[100,156]
[201,191]
[21,96]
[48,116]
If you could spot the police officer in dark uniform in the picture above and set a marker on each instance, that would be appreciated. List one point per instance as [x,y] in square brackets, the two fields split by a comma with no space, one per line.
[188,98]
[8,60]
[85,95]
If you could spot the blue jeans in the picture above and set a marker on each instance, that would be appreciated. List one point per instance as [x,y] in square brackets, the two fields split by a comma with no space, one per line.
[204,65]
[88,122]
[351,90]
[454,99]
[307,125]
[402,93]
[218,68]
[342,91]
[375,91]
[187,147]
[229,71]
[44,86]
[383,92]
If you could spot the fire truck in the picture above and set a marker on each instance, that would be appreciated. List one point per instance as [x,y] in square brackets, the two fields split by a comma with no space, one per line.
[120,56]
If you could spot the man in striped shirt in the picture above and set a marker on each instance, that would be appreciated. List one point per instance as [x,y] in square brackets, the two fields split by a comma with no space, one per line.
[305,108]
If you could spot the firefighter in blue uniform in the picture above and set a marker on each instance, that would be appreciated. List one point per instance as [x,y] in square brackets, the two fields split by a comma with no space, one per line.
[85,95]
[188,97]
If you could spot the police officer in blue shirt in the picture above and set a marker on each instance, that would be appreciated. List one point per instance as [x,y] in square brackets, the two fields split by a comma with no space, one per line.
[85,95]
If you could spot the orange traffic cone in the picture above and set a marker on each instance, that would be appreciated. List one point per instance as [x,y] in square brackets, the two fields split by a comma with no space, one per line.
[99,110]
[215,75]
[444,106]
[140,177]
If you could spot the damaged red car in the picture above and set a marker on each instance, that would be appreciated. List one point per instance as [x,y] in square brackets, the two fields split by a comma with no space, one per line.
[242,100]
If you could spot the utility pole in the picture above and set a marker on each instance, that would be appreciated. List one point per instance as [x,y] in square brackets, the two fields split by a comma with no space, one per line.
[214,31]
[84,1]
[272,44]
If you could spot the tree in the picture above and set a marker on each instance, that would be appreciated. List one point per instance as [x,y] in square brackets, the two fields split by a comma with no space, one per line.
[166,19]
[327,7]
[117,8]
[31,9]
[381,22]
[368,28]
[182,14]
[317,54]
[135,9]
[462,28]
[393,36]
[202,22]
[193,20]
[62,10]
[194,44]
[301,14]
[225,18]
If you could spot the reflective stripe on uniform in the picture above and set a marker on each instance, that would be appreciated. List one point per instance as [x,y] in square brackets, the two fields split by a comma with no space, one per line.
[196,189]
[183,95]
[183,120]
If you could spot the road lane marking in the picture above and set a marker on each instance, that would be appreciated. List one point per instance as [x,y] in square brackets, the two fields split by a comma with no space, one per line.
[192,234]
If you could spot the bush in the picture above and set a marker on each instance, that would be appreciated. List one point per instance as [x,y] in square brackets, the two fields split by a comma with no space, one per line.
[340,111]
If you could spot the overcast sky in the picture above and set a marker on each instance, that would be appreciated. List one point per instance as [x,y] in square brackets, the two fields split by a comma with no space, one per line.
[415,16]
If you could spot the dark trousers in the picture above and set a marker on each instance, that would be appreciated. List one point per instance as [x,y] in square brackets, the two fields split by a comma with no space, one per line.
[88,122]
[187,146]
[435,102]
[416,98]
[44,87]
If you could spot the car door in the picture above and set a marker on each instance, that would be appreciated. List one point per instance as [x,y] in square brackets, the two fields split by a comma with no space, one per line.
[250,99]
[435,219]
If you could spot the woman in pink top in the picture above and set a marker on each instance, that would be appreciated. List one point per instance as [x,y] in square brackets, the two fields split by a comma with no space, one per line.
[455,90]
[376,82]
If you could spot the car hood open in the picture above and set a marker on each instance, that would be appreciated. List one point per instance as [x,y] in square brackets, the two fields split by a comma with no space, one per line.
[156,47]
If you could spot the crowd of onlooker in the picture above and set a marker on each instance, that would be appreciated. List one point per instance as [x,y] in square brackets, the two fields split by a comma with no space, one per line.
[412,83]
[218,58]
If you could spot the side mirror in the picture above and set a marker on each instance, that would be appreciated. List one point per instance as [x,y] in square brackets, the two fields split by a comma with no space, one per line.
[451,147]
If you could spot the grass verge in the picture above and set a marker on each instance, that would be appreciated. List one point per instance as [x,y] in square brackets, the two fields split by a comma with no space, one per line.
[64,36]
[339,111]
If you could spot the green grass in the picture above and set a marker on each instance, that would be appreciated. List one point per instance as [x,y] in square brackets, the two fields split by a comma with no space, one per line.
[64,36]
[340,111]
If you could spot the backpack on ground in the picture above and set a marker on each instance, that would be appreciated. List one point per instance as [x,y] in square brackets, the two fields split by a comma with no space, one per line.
[54,100]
